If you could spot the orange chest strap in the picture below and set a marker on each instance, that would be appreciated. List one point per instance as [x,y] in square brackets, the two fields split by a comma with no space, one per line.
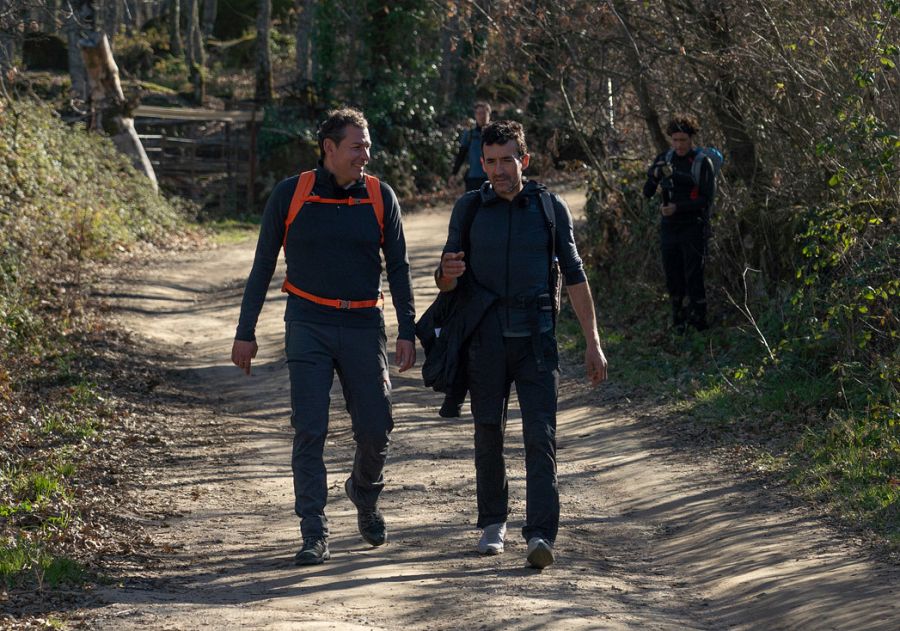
[303,194]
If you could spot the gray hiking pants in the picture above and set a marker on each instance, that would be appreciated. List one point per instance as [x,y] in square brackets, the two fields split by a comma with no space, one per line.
[359,356]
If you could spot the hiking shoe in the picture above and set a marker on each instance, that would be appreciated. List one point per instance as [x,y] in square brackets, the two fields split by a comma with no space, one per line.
[313,552]
[540,553]
[491,541]
[450,408]
[369,520]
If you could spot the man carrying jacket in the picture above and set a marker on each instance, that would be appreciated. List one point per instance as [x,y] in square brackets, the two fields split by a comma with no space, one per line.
[684,220]
[333,237]
[505,248]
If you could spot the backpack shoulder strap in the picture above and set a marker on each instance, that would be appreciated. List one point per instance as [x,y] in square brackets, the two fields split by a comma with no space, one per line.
[304,187]
[373,187]
[468,219]
[697,165]
[550,218]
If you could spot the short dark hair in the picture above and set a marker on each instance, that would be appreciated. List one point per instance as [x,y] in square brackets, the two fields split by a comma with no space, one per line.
[335,126]
[483,104]
[684,123]
[501,132]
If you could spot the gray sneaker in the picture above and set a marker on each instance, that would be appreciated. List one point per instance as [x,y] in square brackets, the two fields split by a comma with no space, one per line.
[491,541]
[540,553]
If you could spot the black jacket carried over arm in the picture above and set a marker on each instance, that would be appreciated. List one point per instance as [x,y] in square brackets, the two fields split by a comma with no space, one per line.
[457,314]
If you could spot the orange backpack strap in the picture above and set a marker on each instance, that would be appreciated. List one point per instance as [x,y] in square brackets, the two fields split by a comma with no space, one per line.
[304,187]
[373,187]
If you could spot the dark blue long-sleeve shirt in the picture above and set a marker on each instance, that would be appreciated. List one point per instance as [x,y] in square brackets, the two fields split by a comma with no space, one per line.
[509,249]
[333,251]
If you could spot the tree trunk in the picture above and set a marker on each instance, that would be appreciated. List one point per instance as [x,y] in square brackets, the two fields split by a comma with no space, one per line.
[305,9]
[79,91]
[450,59]
[137,16]
[723,95]
[8,49]
[194,54]
[726,105]
[111,112]
[640,80]
[112,19]
[264,92]
[48,19]
[176,44]
[210,10]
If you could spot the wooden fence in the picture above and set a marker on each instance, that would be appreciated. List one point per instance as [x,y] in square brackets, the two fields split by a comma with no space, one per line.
[207,156]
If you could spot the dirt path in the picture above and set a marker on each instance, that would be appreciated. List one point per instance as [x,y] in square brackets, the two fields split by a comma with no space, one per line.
[651,538]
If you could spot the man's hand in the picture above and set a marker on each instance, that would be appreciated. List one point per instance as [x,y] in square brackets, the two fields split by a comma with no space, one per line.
[242,353]
[405,356]
[595,363]
[667,209]
[452,264]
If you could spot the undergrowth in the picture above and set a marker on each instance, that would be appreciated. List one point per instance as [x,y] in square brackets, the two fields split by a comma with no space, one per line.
[67,200]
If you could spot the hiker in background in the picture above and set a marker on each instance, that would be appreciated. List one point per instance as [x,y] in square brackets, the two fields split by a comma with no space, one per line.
[469,153]
[470,149]
[507,238]
[687,178]
[334,223]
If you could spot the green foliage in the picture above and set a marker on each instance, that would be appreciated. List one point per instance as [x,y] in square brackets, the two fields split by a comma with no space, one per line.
[803,274]
[171,73]
[413,152]
[24,563]
[76,183]
[68,198]
[135,54]
[235,53]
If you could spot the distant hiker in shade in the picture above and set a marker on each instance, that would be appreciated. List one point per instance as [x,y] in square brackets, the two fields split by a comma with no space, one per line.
[687,194]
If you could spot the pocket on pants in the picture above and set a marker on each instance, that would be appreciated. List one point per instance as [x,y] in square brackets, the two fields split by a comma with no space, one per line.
[550,350]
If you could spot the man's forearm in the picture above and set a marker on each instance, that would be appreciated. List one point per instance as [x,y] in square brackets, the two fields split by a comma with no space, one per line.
[583,304]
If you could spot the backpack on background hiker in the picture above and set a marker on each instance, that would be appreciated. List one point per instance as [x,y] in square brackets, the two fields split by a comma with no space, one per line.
[704,154]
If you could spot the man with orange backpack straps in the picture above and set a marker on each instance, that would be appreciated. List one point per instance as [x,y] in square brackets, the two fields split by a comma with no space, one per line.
[333,224]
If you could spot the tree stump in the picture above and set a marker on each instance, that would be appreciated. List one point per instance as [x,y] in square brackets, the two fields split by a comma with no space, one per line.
[111,112]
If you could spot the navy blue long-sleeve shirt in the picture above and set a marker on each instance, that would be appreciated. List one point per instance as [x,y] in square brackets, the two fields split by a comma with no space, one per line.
[509,249]
[333,251]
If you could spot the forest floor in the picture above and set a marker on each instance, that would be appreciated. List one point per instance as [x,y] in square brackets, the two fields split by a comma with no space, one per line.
[655,533]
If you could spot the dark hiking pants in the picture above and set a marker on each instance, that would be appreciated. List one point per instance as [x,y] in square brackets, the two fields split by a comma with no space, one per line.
[495,363]
[683,248]
[359,356]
